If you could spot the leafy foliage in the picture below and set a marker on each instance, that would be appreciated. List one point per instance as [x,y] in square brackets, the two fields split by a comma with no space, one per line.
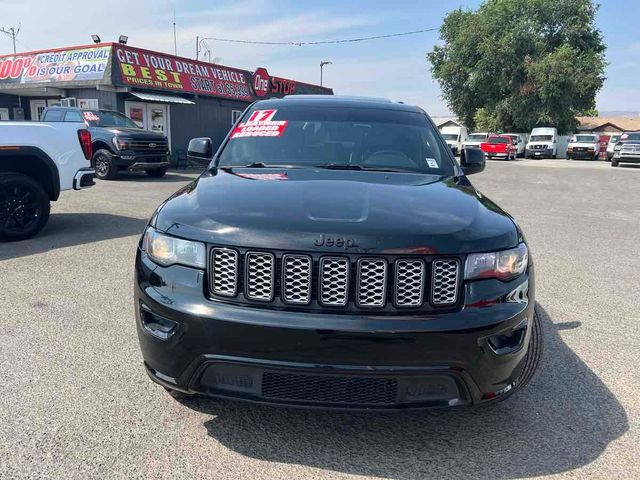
[518,64]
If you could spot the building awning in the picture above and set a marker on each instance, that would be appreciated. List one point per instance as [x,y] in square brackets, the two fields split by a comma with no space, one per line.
[154,97]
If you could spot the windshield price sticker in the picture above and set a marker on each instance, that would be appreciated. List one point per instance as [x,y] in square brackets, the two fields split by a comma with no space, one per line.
[90,117]
[260,124]
[432,162]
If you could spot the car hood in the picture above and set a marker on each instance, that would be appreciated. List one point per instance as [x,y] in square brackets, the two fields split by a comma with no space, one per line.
[371,211]
[583,144]
[136,133]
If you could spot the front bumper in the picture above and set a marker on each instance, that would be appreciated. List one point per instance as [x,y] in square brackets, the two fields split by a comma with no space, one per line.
[628,158]
[196,345]
[582,155]
[137,161]
[539,153]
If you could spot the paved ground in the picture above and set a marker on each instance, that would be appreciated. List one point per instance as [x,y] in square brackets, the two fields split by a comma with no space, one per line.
[77,403]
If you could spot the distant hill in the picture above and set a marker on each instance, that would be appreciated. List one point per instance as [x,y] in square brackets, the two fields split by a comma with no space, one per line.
[618,113]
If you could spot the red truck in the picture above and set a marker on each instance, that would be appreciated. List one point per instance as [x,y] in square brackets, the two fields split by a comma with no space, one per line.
[500,146]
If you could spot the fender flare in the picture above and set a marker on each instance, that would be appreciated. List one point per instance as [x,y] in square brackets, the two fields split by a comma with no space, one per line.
[28,151]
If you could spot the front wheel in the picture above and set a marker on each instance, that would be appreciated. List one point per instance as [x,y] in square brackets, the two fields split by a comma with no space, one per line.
[24,207]
[614,162]
[156,172]
[104,166]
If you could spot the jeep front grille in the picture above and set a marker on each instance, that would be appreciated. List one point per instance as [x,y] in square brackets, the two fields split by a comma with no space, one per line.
[444,282]
[224,272]
[348,283]
[334,281]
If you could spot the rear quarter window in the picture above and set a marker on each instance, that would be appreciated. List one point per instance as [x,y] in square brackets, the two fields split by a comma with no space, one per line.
[53,116]
[73,116]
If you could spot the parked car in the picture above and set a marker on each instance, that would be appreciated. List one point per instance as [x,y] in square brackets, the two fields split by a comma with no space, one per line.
[335,254]
[475,139]
[544,142]
[627,150]
[520,141]
[499,146]
[604,141]
[37,162]
[613,139]
[584,146]
[454,136]
[118,143]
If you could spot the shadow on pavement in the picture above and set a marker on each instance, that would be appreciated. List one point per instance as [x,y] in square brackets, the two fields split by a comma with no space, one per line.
[183,176]
[563,420]
[69,229]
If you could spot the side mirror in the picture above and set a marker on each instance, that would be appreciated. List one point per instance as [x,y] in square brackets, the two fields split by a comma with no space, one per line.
[472,161]
[200,150]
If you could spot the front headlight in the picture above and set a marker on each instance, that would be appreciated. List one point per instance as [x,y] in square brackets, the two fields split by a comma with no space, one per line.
[167,250]
[617,148]
[503,265]
[120,143]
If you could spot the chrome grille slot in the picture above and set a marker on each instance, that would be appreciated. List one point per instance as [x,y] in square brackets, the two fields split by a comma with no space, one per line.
[409,283]
[444,282]
[334,281]
[296,279]
[224,272]
[372,282]
[148,145]
[259,276]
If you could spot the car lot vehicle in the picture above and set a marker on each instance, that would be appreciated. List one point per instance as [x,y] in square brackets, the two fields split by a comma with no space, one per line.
[499,146]
[455,137]
[584,146]
[627,150]
[118,143]
[37,162]
[520,141]
[475,139]
[613,139]
[544,142]
[336,255]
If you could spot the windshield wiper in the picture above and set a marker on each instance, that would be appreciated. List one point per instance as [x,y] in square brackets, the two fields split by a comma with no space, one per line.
[346,166]
[258,165]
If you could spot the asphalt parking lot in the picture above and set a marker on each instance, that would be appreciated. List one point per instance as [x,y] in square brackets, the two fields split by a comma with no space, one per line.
[78,404]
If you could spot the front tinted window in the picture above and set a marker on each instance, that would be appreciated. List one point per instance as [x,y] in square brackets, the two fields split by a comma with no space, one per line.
[450,136]
[586,139]
[495,140]
[350,137]
[541,138]
[477,136]
[97,118]
[630,136]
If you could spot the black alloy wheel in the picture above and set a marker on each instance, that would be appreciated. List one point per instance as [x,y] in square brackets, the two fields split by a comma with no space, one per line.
[24,207]
[103,165]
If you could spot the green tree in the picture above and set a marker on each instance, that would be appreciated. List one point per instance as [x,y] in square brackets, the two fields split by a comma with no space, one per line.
[518,64]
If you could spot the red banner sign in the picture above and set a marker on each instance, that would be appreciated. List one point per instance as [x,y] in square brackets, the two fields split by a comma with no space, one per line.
[264,85]
[153,70]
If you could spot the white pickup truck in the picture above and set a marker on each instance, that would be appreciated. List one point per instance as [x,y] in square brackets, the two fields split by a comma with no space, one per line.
[37,162]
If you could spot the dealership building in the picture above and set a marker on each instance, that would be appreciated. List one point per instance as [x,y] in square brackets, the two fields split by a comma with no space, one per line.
[180,97]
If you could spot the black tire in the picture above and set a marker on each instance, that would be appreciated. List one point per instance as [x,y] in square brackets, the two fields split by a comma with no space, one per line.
[614,162]
[534,354]
[24,207]
[157,172]
[103,164]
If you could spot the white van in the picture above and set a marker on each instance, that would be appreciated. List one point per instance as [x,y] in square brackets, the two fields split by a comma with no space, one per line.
[520,141]
[544,142]
[454,136]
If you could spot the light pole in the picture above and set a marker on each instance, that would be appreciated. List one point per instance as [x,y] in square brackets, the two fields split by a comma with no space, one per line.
[322,64]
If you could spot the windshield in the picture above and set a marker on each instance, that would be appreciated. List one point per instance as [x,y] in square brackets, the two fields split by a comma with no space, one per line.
[585,139]
[349,138]
[477,136]
[450,136]
[614,138]
[97,118]
[514,138]
[541,138]
[625,137]
[495,140]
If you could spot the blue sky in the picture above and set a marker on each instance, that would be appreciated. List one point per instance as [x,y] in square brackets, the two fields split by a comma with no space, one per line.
[394,68]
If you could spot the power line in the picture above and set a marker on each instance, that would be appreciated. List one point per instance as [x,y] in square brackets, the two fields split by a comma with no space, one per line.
[322,42]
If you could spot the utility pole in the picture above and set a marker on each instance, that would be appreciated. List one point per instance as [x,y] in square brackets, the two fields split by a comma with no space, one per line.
[13,33]
[322,64]
[197,47]
[175,42]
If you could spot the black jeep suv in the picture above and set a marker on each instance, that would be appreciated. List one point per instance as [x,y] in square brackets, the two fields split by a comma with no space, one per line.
[118,143]
[335,255]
